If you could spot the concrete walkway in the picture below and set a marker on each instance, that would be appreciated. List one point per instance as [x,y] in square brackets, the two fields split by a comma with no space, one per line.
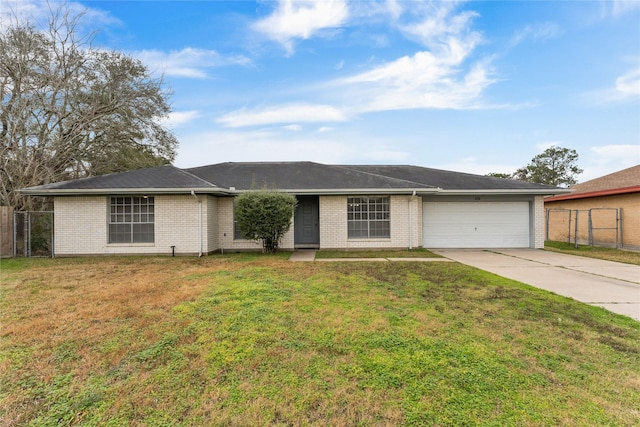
[611,285]
[303,255]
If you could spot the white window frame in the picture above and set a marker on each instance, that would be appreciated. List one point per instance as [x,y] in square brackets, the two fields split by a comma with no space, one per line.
[132,216]
[369,217]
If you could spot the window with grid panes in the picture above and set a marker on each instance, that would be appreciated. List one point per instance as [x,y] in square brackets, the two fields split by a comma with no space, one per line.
[131,219]
[368,217]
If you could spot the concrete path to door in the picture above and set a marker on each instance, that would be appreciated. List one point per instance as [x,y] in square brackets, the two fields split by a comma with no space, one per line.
[611,285]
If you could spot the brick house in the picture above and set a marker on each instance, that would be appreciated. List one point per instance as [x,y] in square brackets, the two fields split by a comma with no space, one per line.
[607,209]
[190,211]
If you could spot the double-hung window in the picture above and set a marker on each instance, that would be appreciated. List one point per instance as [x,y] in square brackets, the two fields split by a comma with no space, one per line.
[368,217]
[131,219]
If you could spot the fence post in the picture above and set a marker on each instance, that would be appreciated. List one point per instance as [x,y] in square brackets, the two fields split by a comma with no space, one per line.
[621,230]
[575,234]
[590,229]
[546,229]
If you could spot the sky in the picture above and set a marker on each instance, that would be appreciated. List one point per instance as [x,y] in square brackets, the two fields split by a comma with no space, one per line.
[474,86]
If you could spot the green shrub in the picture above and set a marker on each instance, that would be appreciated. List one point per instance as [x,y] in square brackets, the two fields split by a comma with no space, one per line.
[265,216]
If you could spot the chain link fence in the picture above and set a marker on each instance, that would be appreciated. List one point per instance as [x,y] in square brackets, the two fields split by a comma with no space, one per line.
[33,234]
[592,227]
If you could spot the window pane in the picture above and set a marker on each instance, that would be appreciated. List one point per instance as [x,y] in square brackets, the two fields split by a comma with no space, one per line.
[131,220]
[368,217]
[119,233]
[143,233]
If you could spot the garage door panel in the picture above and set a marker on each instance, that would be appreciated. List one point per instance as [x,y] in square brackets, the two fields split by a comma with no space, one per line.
[476,224]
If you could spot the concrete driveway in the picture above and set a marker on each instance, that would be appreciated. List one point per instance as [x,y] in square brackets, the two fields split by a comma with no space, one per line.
[612,285]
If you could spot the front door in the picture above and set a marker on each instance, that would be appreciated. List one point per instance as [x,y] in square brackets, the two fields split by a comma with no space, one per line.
[306,222]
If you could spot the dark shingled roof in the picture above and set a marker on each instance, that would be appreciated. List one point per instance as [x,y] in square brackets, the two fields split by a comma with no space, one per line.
[448,180]
[158,177]
[300,176]
[297,176]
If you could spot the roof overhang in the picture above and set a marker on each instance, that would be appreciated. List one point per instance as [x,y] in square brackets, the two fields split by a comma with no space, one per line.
[355,191]
[219,191]
[601,193]
[110,191]
[503,192]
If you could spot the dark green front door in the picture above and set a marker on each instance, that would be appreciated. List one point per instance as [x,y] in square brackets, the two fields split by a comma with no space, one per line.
[306,220]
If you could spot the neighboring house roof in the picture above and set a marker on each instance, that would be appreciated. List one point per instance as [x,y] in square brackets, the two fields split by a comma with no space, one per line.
[297,177]
[625,181]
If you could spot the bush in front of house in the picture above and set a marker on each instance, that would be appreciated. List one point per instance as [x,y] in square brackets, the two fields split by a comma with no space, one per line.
[264,215]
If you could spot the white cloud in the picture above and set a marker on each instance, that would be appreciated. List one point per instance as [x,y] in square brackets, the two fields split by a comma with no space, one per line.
[188,62]
[539,31]
[441,27]
[295,19]
[179,118]
[619,7]
[255,146]
[605,159]
[290,113]
[438,77]
[625,88]
[39,13]
[323,129]
[620,154]
[292,128]
[423,80]
[629,84]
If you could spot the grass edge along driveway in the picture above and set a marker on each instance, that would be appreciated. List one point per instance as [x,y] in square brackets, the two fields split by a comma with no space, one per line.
[254,340]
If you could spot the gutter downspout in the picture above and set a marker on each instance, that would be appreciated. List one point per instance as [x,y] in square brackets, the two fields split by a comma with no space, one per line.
[411,199]
[193,193]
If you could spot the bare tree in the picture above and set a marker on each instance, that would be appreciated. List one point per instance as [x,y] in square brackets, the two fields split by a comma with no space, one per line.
[70,110]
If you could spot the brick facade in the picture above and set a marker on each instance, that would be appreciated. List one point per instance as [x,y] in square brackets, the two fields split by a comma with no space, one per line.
[404,234]
[628,228]
[81,226]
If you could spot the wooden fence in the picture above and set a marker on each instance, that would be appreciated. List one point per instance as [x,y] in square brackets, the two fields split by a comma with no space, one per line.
[6,231]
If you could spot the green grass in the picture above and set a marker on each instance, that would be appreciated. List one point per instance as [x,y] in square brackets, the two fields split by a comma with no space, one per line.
[413,253]
[249,340]
[609,254]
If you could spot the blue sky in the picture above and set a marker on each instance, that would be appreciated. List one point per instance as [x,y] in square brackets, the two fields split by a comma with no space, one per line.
[468,86]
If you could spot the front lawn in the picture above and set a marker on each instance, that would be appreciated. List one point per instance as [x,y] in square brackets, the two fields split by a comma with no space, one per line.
[257,340]
[404,253]
[608,254]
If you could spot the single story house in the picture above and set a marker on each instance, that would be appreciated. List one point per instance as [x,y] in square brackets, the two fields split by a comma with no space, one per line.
[604,211]
[165,209]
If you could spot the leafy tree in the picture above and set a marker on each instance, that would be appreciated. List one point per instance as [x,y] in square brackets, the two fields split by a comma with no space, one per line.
[500,175]
[70,110]
[265,216]
[555,166]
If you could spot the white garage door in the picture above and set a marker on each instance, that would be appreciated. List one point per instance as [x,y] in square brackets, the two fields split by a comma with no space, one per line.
[476,225]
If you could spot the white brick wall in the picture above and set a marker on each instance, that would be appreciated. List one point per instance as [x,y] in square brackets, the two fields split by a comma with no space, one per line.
[333,224]
[81,227]
[538,222]
[213,241]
